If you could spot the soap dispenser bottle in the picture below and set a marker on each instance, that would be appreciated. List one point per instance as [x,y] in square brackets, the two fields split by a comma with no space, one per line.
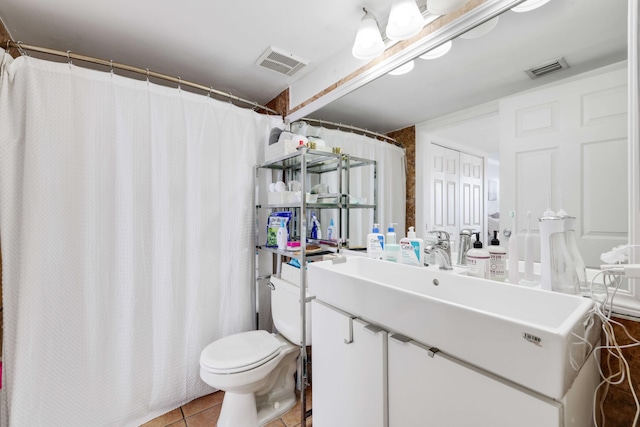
[375,243]
[478,260]
[391,247]
[497,259]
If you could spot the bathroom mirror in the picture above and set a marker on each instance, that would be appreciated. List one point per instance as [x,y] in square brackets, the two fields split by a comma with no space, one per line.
[455,100]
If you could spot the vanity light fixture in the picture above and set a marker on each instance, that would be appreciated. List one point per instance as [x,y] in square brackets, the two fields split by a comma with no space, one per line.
[442,7]
[403,69]
[368,43]
[529,5]
[481,29]
[439,51]
[405,20]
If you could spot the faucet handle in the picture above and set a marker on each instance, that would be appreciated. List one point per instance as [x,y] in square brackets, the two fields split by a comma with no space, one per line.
[467,232]
[441,233]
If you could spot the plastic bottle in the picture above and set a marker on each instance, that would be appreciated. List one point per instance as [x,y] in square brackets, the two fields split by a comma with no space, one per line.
[282,236]
[478,260]
[316,231]
[375,243]
[391,247]
[513,267]
[412,249]
[331,230]
[497,259]
[391,234]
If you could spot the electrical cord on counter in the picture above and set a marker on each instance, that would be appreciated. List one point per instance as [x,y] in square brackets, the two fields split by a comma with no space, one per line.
[614,350]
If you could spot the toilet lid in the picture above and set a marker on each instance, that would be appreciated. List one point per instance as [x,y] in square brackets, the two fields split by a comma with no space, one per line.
[239,352]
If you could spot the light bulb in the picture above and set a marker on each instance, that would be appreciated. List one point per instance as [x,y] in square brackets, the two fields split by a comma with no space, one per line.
[405,20]
[439,51]
[403,69]
[368,43]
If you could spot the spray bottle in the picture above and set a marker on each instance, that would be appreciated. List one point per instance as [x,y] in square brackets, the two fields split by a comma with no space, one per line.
[316,231]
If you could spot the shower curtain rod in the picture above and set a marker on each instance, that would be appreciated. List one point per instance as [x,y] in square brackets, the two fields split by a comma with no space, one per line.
[144,71]
[349,127]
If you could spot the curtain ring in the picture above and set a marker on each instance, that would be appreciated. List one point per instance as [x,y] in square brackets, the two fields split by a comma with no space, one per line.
[179,83]
[210,90]
[230,97]
[111,66]
[147,76]
[21,49]
[69,57]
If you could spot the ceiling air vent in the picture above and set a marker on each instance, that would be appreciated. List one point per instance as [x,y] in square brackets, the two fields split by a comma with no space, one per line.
[282,62]
[548,67]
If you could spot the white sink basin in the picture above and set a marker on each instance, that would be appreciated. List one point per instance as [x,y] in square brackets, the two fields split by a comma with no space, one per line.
[535,338]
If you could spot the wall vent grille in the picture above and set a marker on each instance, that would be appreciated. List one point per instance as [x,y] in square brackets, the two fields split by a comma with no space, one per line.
[547,68]
[280,61]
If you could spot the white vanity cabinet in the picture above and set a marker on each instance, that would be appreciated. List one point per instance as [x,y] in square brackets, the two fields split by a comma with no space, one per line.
[349,370]
[427,388]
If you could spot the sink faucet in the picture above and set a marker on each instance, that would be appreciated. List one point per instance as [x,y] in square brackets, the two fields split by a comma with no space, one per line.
[443,259]
[443,242]
[465,245]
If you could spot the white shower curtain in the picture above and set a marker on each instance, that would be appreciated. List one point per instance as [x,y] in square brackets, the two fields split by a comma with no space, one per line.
[391,180]
[127,238]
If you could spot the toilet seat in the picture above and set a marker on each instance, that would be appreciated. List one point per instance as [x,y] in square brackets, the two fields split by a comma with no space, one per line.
[239,352]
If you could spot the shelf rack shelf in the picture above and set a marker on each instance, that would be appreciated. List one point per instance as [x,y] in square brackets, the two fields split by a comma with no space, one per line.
[304,165]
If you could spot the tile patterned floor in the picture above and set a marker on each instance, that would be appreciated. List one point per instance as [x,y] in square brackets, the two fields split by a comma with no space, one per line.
[204,412]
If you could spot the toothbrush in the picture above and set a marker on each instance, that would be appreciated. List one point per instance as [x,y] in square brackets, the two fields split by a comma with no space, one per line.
[528,251]
[514,270]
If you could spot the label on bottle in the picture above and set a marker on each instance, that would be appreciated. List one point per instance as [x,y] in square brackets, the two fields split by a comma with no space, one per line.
[410,253]
[497,266]
[375,246]
[477,267]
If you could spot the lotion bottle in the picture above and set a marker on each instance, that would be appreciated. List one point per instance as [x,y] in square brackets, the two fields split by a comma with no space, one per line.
[478,260]
[282,236]
[412,249]
[497,259]
[375,243]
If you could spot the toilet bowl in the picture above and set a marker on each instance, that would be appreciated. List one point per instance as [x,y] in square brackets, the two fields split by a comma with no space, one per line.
[256,368]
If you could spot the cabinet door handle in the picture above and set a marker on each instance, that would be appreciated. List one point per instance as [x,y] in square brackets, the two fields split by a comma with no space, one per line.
[373,329]
[401,338]
[349,340]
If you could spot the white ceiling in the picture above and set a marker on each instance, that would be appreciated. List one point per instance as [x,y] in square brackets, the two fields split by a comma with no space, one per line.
[216,44]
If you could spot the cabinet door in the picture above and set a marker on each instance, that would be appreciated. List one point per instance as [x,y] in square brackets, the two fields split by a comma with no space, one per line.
[438,391]
[349,370]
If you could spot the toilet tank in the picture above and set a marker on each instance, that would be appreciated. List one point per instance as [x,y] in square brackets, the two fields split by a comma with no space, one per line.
[285,309]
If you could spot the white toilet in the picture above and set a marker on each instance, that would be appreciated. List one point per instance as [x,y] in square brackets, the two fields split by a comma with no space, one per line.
[256,368]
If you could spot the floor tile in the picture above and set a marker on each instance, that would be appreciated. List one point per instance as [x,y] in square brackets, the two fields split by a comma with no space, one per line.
[207,418]
[202,403]
[180,423]
[276,423]
[165,420]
